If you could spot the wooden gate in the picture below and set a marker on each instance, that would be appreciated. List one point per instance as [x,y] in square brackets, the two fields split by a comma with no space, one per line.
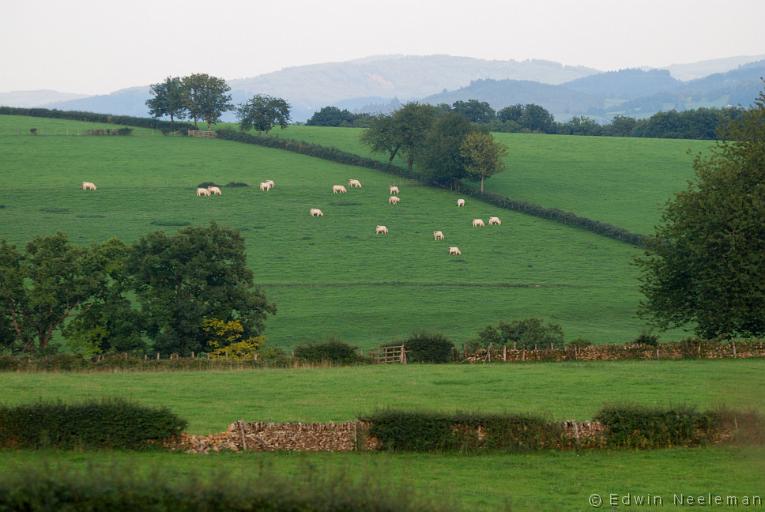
[390,354]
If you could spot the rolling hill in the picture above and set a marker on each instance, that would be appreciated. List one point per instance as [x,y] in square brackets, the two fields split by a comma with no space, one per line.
[330,276]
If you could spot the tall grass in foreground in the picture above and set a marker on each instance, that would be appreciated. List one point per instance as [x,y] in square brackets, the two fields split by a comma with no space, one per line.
[117,489]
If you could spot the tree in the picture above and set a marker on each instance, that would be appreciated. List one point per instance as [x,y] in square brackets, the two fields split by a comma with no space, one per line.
[382,136]
[442,159]
[511,113]
[168,99]
[197,274]
[483,155]
[474,111]
[206,97]
[263,112]
[331,116]
[621,126]
[530,333]
[537,119]
[41,288]
[412,123]
[705,265]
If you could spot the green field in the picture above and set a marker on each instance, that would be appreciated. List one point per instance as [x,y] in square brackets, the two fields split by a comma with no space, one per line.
[555,481]
[622,181]
[330,276]
[210,400]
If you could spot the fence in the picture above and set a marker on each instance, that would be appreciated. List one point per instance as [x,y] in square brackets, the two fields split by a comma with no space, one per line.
[205,134]
[387,355]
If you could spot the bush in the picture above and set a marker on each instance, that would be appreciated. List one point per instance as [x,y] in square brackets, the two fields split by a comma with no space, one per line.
[529,334]
[647,339]
[332,351]
[428,431]
[429,348]
[95,424]
[125,489]
[236,184]
[634,426]
[206,184]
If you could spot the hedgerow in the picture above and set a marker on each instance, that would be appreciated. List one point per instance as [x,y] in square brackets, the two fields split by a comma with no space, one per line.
[332,351]
[96,424]
[92,117]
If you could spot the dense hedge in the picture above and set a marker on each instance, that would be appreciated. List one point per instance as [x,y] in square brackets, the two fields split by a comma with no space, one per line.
[428,431]
[95,424]
[653,427]
[140,122]
[335,352]
[429,348]
[121,489]
[336,155]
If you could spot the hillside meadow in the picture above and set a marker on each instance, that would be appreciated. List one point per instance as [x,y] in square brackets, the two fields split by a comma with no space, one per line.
[331,276]
[624,181]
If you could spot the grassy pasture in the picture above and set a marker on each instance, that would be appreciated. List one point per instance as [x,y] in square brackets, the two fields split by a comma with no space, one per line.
[552,481]
[624,181]
[211,400]
[330,276]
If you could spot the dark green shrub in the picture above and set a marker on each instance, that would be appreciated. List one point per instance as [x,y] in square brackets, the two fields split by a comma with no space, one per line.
[644,338]
[125,489]
[206,184]
[429,431]
[635,426]
[332,351]
[529,334]
[429,348]
[236,184]
[95,424]
[274,357]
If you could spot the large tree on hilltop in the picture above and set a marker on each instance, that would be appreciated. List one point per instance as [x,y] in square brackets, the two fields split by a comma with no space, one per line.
[263,113]
[206,97]
[168,99]
[705,265]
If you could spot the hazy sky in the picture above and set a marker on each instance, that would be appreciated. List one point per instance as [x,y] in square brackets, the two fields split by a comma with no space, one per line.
[97,46]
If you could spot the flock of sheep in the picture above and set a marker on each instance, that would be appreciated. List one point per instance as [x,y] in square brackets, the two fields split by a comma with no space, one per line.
[393,199]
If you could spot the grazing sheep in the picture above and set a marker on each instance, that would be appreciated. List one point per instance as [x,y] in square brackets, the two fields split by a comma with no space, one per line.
[215,191]
[315,212]
[339,189]
[494,221]
[271,182]
[393,189]
[455,251]
[393,200]
[88,185]
[478,223]
[265,186]
[203,192]
[438,235]
[460,202]
[381,230]
[354,183]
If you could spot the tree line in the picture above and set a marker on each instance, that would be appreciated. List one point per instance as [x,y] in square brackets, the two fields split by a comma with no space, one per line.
[701,123]
[204,97]
[182,293]
[446,146]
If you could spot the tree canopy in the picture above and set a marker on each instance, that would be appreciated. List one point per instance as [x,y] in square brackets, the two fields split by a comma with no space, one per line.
[483,155]
[263,113]
[206,97]
[705,265]
[168,99]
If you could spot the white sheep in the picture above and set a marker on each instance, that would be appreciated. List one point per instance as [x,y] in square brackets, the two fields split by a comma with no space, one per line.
[315,212]
[393,200]
[265,186]
[271,182]
[455,251]
[88,185]
[478,223]
[438,235]
[353,183]
[381,230]
[494,221]
[215,191]
[339,189]
[203,192]
[393,189]
[460,202]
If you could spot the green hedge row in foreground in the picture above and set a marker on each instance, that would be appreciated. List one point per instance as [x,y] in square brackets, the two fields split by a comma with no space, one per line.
[96,424]
[120,490]
[625,427]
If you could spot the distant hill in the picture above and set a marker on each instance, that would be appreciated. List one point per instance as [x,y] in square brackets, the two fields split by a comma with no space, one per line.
[625,84]
[36,98]
[694,70]
[130,102]
[562,102]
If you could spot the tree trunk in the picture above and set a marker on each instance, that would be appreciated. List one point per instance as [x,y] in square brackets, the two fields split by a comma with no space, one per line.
[171,122]
[482,183]
[410,164]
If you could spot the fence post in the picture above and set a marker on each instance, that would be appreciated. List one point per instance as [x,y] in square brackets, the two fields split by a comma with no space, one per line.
[157,356]
[734,349]
[504,353]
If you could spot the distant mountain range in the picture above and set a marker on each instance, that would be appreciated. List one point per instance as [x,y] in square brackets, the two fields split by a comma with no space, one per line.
[381,83]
